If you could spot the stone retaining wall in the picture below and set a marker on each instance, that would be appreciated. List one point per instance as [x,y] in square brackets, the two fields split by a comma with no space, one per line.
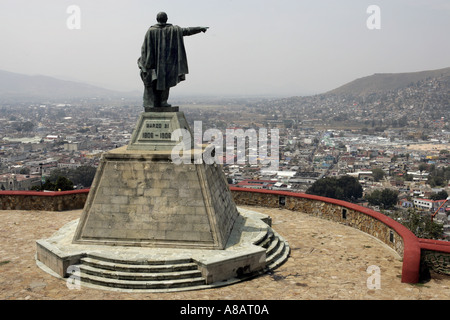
[437,261]
[44,201]
[433,254]
[325,210]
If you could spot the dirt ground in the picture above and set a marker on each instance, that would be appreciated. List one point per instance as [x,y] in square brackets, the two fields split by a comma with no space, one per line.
[328,261]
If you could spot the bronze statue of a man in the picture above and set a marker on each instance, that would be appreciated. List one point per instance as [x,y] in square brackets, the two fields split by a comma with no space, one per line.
[163,61]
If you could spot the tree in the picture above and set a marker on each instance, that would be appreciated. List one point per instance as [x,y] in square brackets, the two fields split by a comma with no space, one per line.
[24,171]
[344,188]
[441,195]
[351,187]
[63,184]
[422,225]
[378,174]
[24,126]
[325,187]
[374,198]
[438,177]
[83,175]
[403,121]
[423,167]
[409,177]
[387,198]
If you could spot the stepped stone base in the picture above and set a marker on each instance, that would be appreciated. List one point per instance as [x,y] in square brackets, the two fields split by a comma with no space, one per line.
[253,248]
[150,223]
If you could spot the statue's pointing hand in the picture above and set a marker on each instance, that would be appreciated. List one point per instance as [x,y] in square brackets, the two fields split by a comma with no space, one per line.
[204,29]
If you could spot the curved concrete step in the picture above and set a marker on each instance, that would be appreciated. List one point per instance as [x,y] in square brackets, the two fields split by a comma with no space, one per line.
[274,244]
[275,254]
[278,257]
[266,241]
[139,276]
[277,249]
[121,274]
[146,268]
[139,261]
[136,284]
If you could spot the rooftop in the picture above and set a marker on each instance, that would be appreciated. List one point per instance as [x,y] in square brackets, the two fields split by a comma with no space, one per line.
[328,261]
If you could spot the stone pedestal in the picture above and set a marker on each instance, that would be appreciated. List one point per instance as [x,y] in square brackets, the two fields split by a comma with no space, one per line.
[150,224]
[139,197]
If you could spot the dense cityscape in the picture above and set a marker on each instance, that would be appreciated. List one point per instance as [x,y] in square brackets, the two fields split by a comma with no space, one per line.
[323,136]
[392,139]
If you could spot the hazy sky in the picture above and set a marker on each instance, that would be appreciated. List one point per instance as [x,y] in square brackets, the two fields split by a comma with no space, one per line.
[253,47]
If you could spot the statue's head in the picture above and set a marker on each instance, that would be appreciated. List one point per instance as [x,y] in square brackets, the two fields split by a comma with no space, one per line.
[162,17]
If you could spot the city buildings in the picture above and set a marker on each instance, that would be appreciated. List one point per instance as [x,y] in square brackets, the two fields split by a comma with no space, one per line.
[37,139]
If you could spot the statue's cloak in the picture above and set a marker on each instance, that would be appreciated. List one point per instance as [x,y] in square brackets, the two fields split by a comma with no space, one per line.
[163,56]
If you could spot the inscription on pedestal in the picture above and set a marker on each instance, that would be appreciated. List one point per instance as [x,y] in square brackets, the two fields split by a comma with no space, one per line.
[156,130]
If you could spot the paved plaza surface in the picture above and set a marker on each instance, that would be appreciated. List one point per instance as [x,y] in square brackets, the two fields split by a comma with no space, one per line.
[328,261]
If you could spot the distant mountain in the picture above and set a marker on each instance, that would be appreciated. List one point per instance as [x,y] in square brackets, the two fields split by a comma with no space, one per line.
[381,101]
[20,87]
[384,82]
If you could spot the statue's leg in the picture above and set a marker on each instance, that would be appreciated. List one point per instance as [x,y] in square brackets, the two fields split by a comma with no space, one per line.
[157,102]
[155,98]
[164,98]
[160,98]
[149,97]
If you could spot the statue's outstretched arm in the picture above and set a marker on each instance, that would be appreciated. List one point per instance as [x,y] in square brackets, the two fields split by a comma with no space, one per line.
[194,30]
